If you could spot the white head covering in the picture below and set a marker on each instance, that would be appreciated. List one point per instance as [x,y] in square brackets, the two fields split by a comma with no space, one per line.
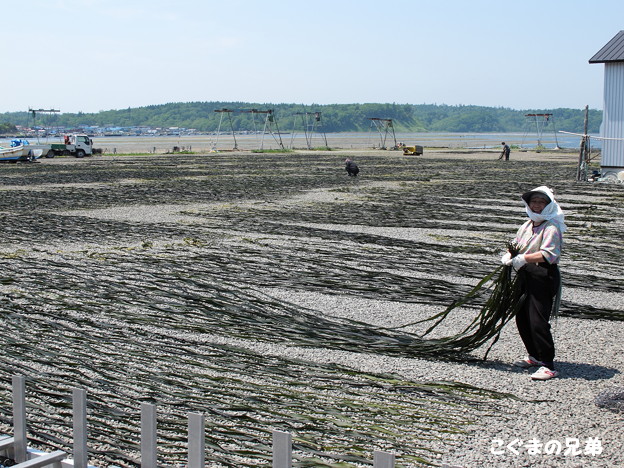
[551,212]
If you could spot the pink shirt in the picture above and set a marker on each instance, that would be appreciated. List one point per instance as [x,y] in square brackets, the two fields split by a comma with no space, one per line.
[545,238]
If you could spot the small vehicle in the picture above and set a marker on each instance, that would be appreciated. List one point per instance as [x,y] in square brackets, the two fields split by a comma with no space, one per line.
[417,150]
[77,145]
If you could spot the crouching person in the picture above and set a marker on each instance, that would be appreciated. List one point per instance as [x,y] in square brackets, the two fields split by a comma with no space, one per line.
[351,168]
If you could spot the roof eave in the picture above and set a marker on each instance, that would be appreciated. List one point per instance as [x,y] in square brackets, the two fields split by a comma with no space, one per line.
[613,51]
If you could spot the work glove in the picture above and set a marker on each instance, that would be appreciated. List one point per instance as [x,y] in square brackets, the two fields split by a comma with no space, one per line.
[506,259]
[518,261]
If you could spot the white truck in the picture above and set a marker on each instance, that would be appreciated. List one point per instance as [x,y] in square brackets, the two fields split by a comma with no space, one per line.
[77,145]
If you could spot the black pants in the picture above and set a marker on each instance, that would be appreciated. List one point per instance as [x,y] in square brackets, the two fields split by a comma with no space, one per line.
[541,283]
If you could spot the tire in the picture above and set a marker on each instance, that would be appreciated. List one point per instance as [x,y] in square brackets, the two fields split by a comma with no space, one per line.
[50,154]
[80,153]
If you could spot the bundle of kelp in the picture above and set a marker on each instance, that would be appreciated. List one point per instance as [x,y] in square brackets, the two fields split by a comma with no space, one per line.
[505,300]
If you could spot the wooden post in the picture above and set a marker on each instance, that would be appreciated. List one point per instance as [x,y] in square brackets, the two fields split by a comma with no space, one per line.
[19,418]
[580,158]
[148,436]
[196,440]
[587,148]
[581,170]
[383,460]
[282,449]
[79,400]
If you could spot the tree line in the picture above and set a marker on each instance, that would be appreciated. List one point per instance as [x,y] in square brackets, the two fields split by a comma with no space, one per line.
[333,117]
[7,128]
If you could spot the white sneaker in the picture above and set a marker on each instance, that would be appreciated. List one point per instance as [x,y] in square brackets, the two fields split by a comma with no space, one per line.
[527,362]
[544,373]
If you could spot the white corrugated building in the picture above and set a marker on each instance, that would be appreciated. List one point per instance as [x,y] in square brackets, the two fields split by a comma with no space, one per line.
[612,55]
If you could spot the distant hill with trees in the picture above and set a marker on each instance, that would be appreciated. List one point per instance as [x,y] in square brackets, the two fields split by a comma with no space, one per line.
[7,128]
[334,117]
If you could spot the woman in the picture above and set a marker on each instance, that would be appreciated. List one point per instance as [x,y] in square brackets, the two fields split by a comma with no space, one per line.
[540,240]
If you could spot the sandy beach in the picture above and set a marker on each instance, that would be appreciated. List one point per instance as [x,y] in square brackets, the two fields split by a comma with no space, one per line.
[337,141]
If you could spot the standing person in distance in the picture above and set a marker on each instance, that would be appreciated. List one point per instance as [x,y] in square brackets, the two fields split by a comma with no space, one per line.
[540,240]
[505,152]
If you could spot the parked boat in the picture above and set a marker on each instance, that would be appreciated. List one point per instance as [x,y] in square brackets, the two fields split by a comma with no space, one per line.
[19,151]
[14,153]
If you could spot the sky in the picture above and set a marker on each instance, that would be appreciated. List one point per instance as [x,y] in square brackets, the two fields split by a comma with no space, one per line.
[94,55]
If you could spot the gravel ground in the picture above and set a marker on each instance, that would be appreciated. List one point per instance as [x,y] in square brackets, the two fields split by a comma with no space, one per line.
[590,356]
[555,410]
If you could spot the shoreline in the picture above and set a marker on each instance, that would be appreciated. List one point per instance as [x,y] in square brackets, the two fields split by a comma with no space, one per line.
[206,143]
